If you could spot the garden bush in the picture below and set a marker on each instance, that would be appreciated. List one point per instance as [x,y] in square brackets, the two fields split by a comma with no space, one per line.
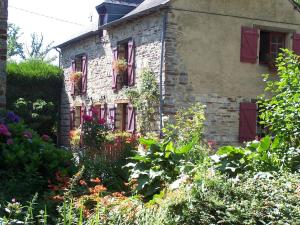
[33,92]
[28,161]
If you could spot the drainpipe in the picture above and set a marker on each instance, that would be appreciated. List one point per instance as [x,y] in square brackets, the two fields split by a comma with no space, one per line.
[59,56]
[162,61]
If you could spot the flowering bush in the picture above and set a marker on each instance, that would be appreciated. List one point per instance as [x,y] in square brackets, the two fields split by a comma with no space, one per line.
[28,160]
[94,131]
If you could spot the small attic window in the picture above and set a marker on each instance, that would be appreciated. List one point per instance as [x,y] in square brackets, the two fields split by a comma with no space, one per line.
[102,16]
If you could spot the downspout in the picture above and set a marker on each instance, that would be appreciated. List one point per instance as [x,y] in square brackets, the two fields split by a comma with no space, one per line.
[162,61]
[58,139]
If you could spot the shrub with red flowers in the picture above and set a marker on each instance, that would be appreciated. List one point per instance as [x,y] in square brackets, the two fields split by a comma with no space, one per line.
[94,131]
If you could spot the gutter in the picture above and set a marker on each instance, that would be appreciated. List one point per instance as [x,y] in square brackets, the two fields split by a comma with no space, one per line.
[162,60]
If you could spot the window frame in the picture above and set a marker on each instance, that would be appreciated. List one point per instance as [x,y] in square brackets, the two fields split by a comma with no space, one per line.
[271,33]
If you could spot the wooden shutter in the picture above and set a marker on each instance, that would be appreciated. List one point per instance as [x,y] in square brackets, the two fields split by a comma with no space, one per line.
[249,43]
[72,118]
[73,68]
[112,117]
[84,74]
[131,63]
[296,43]
[131,118]
[114,73]
[248,121]
[103,112]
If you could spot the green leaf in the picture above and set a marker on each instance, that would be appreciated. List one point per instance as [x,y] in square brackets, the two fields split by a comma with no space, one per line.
[185,149]
[147,142]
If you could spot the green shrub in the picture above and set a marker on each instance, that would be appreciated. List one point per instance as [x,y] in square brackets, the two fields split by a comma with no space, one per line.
[280,113]
[258,156]
[33,92]
[161,162]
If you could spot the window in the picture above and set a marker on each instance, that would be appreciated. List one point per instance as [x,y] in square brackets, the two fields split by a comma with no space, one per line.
[124,51]
[125,117]
[76,117]
[121,119]
[79,65]
[270,45]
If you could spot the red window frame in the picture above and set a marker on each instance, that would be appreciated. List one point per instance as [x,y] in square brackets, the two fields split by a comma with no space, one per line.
[277,44]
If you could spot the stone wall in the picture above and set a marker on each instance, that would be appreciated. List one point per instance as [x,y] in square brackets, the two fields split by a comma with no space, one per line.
[146,33]
[3,50]
[203,57]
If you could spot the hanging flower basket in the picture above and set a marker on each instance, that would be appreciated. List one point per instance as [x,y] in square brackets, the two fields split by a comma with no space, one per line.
[120,65]
[76,77]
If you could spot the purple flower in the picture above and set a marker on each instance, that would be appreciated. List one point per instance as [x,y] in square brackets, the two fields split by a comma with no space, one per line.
[4,131]
[10,141]
[45,138]
[13,117]
[27,134]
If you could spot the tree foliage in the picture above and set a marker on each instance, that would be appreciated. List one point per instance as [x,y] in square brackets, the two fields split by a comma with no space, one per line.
[37,49]
[280,113]
[14,46]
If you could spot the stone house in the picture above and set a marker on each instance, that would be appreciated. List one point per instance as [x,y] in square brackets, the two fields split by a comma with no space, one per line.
[3,50]
[207,51]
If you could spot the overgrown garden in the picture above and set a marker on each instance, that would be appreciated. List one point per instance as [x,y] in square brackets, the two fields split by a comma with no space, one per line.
[174,179]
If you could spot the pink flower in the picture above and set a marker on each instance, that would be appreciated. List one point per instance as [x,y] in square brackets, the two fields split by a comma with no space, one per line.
[10,141]
[4,131]
[27,134]
[87,118]
[45,138]
[94,111]
[101,121]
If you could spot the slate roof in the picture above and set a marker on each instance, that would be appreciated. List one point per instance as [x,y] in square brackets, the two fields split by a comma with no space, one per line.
[146,7]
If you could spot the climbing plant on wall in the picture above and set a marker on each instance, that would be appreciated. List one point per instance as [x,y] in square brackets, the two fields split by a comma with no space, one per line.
[145,98]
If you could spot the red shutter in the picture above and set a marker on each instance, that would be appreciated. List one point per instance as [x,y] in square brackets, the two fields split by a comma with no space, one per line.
[72,84]
[112,117]
[130,118]
[249,43]
[130,64]
[114,73]
[248,120]
[103,112]
[296,43]
[84,74]
[72,118]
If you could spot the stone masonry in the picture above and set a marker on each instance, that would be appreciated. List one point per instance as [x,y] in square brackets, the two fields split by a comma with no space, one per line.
[3,50]
[146,33]
[201,60]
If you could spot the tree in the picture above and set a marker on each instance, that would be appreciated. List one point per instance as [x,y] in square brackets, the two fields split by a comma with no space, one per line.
[14,46]
[37,49]
[280,112]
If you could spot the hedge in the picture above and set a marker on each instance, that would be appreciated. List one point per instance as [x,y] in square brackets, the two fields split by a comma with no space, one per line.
[33,92]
